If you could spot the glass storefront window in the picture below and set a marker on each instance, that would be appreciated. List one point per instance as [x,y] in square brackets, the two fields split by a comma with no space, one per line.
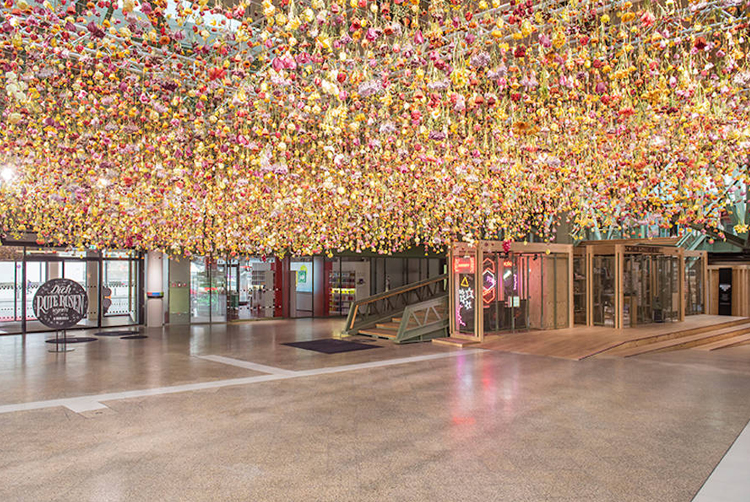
[694,286]
[218,290]
[200,296]
[32,266]
[579,290]
[179,291]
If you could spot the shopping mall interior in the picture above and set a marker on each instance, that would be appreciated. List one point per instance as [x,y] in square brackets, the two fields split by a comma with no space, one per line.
[375,250]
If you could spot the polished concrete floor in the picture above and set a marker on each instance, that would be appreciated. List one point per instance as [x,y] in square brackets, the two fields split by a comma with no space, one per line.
[155,419]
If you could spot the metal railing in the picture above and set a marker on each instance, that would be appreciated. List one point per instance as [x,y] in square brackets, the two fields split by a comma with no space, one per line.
[367,312]
[424,321]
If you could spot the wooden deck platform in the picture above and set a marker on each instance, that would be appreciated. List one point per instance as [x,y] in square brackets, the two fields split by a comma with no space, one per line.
[586,341]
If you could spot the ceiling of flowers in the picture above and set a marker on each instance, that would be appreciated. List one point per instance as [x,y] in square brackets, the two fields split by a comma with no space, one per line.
[312,126]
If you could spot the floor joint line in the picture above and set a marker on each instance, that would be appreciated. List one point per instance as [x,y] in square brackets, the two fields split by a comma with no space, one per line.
[95,402]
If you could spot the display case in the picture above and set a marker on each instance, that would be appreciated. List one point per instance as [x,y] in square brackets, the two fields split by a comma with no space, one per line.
[343,291]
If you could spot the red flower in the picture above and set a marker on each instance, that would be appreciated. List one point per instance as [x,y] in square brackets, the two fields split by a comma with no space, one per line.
[216,73]
[700,43]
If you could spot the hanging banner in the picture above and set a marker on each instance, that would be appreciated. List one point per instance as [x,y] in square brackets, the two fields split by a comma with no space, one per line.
[60,303]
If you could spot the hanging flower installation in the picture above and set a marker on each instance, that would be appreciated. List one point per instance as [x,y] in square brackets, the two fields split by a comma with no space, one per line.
[312,126]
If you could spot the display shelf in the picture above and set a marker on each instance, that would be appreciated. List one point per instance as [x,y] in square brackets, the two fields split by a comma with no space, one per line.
[342,292]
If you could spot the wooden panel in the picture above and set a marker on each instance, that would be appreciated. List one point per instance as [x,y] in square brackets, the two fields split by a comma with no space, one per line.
[713,288]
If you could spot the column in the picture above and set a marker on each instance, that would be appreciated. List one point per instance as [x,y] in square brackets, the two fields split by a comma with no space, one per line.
[154,284]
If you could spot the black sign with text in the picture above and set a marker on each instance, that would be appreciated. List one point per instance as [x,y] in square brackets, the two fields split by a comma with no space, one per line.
[725,291]
[60,303]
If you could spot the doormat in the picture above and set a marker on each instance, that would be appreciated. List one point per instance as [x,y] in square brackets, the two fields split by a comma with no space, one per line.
[331,346]
[77,339]
[116,333]
[133,337]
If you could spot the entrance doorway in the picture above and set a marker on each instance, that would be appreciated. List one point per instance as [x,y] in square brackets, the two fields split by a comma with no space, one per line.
[650,289]
[111,280]
[250,288]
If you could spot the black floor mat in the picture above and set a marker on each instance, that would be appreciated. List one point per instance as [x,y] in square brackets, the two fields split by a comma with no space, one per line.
[76,339]
[133,337]
[331,346]
[116,333]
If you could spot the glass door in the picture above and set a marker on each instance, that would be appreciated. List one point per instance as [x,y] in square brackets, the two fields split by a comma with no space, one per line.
[257,288]
[119,293]
[11,294]
[233,291]
[218,289]
[200,295]
[603,286]
[579,289]
[492,306]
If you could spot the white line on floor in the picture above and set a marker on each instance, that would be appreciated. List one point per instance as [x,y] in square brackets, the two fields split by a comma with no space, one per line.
[730,481]
[248,365]
[94,402]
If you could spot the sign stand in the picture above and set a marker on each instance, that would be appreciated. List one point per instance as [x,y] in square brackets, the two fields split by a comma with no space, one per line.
[64,343]
[60,304]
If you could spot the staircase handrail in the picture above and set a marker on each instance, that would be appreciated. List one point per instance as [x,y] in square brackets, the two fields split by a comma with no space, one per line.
[426,316]
[365,309]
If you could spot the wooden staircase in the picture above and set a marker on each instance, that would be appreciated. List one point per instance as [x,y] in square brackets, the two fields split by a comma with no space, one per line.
[726,343]
[726,334]
[387,330]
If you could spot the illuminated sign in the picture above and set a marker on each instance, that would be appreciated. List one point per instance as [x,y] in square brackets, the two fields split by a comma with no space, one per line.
[489,281]
[463,265]
[465,300]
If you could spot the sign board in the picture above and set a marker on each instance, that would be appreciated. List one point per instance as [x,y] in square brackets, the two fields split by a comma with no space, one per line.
[463,265]
[60,303]
[725,291]
[643,249]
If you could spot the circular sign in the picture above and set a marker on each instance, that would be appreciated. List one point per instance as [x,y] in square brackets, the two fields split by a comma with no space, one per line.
[60,303]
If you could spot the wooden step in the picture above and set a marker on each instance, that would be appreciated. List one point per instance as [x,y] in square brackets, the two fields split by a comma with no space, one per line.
[379,333]
[684,342]
[650,340]
[388,325]
[454,342]
[725,344]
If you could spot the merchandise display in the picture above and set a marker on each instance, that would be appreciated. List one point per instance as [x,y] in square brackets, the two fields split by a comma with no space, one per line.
[309,127]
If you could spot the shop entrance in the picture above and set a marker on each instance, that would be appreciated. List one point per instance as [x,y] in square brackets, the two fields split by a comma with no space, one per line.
[505,292]
[250,289]
[496,291]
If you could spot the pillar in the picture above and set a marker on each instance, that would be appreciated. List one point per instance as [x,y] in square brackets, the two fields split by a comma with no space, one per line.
[154,284]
